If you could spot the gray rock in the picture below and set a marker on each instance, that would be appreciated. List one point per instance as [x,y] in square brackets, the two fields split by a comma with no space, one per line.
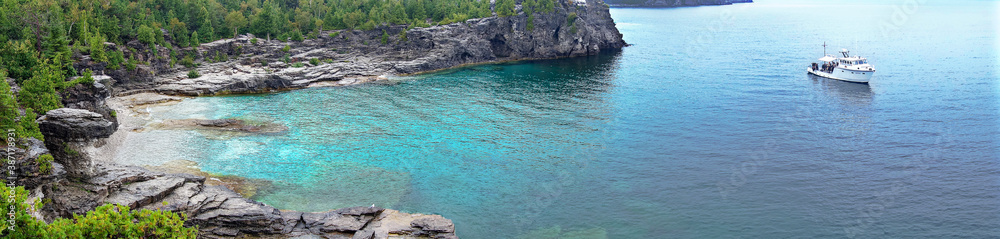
[143,193]
[74,124]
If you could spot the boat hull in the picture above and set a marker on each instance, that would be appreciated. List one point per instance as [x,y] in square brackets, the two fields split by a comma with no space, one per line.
[844,75]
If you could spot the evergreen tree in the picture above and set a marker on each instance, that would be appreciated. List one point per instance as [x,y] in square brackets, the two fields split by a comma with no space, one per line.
[39,91]
[194,39]
[505,8]
[235,20]
[8,105]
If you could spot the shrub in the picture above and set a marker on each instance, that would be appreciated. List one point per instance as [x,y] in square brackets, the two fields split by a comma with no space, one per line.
[253,41]
[130,64]
[107,221]
[287,58]
[334,34]
[188,61]
[69,151]
[115,60]
[297,36]
[146,35]
[193,74]
[219,57]
[44,163]
[298,64]
[385,37]
[28,125]
[571,18]
[286,48]
[263,63]
[114,113]
[314,61]
[86,79]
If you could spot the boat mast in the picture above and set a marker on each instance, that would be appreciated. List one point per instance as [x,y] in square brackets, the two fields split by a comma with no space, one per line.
[824,48]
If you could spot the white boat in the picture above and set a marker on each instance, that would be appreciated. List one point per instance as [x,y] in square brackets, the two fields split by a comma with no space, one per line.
[847,68]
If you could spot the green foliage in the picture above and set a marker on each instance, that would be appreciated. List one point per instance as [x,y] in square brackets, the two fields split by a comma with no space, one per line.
[18,58]
[39,92]
[298,64]
[114,113]
[402,37]
[69,151]
[287,58]
[385,37]
[44,163]
[297,36]
[235,21]
[187,61]
[115,60]
[8,105]
[286,48]
[131,63]
[253,41]
[314,61]
[146,35]
[107,221]
[505,8]
[194,39]
[193,74]
[531,22]
[219,57]
[571,18]
[28,126]
[86,79]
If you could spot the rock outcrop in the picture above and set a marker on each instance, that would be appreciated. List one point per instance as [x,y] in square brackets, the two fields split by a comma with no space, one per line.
[70,134]
[352,56]
[221,213]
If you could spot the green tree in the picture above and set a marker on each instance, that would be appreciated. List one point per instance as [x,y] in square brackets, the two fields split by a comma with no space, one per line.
[19,59]
[235,20]
[505,8]
[194,39]
[28,126]
[39,91]
[8,105]
[146,35]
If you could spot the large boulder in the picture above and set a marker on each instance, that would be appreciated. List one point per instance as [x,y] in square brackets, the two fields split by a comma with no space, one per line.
[71,136]
[75,124]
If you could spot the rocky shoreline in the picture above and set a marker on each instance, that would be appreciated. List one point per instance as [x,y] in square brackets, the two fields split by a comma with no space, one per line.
[84,137]
[348,57]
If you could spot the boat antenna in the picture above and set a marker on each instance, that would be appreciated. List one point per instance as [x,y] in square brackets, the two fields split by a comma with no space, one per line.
[824,48]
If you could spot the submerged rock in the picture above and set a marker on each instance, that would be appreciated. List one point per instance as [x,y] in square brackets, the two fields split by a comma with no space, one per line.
[224,125]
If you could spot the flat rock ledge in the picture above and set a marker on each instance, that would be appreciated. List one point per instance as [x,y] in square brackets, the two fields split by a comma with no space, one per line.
[222,213]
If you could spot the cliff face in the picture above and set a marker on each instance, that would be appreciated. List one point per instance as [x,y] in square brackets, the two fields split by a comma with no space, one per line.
[671,3]
[357,56]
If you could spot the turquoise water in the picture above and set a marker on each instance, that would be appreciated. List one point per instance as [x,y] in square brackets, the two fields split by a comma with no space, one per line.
[707,127]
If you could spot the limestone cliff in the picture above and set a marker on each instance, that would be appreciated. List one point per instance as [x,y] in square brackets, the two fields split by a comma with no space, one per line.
[572,29]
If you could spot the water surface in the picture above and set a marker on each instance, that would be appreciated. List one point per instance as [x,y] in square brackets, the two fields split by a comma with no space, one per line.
[707,127]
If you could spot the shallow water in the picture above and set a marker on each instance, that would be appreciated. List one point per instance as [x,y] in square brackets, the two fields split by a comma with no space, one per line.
[707,127]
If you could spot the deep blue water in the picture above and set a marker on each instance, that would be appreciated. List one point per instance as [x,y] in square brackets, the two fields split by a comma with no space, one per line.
[706,127]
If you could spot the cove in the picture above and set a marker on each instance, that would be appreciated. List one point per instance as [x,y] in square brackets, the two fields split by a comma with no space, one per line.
[671,137]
